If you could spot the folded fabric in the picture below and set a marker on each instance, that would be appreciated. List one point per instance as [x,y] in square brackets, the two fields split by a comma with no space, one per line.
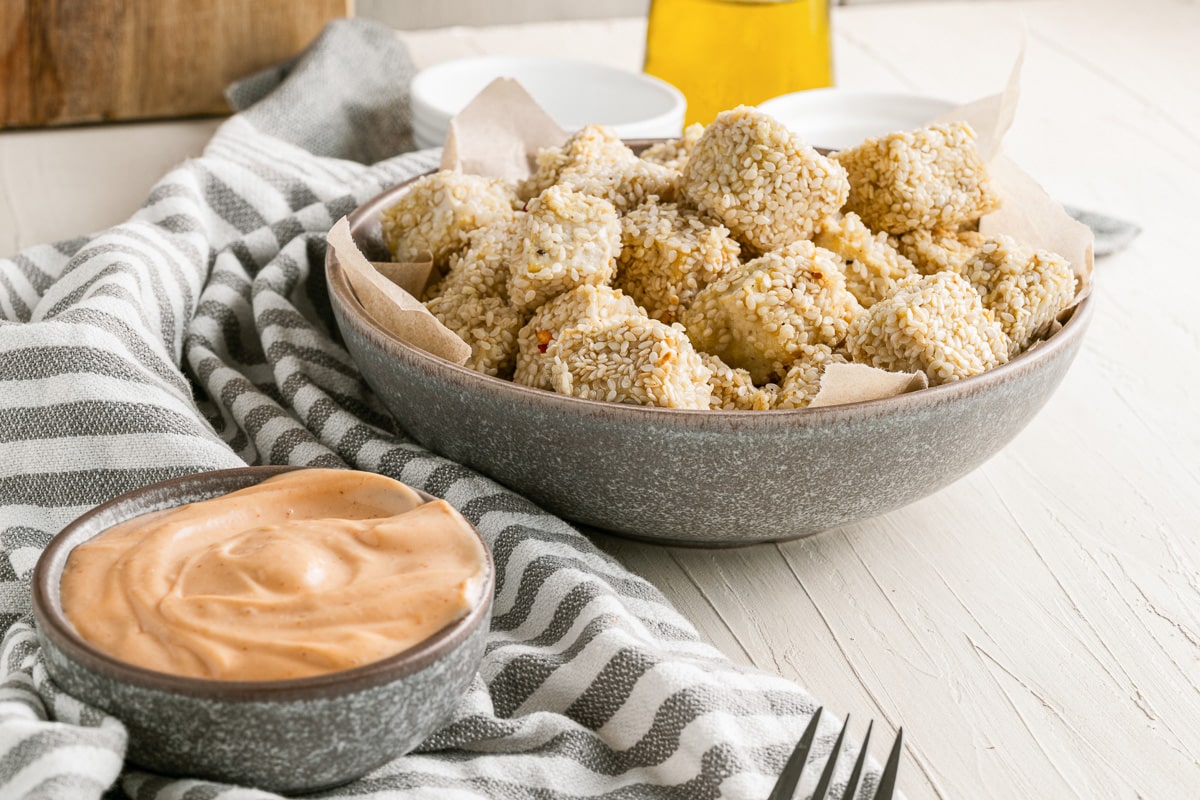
[198,335]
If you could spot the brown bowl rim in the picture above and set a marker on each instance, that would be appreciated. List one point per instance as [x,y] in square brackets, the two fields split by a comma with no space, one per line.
[1072,328]
[54,623]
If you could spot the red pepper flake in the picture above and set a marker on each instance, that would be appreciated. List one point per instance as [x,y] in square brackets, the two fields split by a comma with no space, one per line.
[543,338]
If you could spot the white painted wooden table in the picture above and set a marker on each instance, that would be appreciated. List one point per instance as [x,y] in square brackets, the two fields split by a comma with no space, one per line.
[1036,626]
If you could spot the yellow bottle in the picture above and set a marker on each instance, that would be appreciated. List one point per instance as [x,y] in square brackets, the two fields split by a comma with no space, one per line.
[723,53]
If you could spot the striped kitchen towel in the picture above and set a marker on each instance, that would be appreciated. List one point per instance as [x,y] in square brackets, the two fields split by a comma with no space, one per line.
[198,335]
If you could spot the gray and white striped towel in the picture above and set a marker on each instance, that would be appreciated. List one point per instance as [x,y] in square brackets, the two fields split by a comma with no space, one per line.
[198,336]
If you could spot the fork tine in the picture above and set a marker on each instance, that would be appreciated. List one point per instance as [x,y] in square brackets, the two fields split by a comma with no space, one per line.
[856,774]
[831,764]
[785,787]
[887,781]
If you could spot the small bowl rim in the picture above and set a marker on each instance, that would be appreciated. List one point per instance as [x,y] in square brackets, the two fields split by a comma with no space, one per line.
[431,111]
[834,94]
[340,291]
[844,115]
[53,622]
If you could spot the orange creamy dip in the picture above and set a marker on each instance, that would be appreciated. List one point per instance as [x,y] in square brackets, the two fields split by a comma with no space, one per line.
[306,573]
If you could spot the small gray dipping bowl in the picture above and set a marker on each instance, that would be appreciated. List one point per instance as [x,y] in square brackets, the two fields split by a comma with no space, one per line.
[285,736]
[699,478]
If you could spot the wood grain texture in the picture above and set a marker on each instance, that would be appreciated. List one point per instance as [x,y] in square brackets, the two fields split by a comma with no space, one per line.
[70,61]
[16,101]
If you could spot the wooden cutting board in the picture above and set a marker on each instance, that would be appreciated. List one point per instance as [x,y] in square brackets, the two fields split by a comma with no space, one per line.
[71,61]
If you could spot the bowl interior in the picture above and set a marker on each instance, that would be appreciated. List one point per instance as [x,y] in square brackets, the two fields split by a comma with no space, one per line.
[691,477]
[365,229]
[47,601]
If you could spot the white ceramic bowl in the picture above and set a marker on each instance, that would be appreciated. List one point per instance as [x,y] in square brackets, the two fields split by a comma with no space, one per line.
[841,118]
[574,93]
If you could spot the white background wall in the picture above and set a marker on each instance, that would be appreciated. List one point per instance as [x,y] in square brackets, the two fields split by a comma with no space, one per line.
[414,14]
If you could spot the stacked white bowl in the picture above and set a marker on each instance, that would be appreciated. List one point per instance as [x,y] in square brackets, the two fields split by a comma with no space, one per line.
[574,93]
[841,118]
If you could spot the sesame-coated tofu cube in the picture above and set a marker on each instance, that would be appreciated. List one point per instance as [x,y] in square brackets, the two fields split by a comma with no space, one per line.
[482,269]
[938,251]
[567,239]
[594,148]
[928,178]
[626,185]
[584,307]
[872,265]
[438,212]
[761,181]
[488,324]
[734,389]
[674,153]
[934,324]
[637,361]
[1023,287]
[668,254]
[760,315]
[803,379]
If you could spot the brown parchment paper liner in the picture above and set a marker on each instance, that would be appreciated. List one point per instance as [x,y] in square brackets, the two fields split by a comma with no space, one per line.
[1027,213]
[411,276]
[499,133]
[853,383]
[391,306]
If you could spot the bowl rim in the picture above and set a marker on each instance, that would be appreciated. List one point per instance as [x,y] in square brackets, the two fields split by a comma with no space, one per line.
[425,103]
[367,213]
[834,95]
[53,623]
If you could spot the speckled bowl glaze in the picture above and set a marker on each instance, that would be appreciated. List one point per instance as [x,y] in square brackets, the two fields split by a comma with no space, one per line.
[285,736]
[699,478]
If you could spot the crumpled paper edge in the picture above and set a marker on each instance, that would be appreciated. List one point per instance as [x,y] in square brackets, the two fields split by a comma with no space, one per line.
[499,132]
[396,310]
[855,383]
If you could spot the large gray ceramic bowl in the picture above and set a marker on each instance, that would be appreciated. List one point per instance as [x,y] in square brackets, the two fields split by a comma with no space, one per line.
[286,736]
[714,478]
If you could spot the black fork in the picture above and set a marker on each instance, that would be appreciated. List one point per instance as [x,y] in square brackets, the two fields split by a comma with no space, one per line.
[789,779]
